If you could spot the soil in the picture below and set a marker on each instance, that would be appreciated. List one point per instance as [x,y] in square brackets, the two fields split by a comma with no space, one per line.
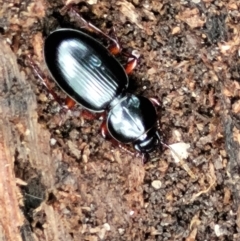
[68,183]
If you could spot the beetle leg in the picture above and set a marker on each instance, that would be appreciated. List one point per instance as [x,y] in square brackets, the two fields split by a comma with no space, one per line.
[132,57]
[68,103]
[132,62]
[154,101]
[104,131]
[113,34]
[126,149]
[44,79]
[106,135]
[114,47]
[144,156]
[88,115]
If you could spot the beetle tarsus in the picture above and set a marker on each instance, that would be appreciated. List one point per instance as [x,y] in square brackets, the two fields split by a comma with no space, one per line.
[155,101]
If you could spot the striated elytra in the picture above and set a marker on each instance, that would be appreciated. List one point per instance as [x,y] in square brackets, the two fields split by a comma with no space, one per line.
[87,72]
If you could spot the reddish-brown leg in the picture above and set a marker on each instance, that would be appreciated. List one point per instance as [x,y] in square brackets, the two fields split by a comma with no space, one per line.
[69,102]
[104,131]
[132,62]
[132,58]
[44,80]
[114,47]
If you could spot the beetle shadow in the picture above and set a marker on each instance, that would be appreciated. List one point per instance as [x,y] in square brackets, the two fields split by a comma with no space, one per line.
[134,85]
[55,19]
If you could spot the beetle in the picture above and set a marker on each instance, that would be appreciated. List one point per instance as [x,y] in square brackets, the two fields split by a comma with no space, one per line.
[89,73]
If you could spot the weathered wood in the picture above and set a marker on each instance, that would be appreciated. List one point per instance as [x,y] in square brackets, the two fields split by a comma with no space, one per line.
[11,215]
[22,143]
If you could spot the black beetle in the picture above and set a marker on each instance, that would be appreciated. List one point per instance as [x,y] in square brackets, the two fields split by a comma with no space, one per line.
[87,72]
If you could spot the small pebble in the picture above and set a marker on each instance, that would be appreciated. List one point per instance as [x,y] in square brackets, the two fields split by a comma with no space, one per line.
[53,141]
[121,231]
[156,184]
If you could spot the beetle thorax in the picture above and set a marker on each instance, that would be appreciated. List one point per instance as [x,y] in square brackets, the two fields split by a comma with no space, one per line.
[130,118]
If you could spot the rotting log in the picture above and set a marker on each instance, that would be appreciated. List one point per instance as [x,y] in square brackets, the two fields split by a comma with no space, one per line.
[24,153]
[11,217]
